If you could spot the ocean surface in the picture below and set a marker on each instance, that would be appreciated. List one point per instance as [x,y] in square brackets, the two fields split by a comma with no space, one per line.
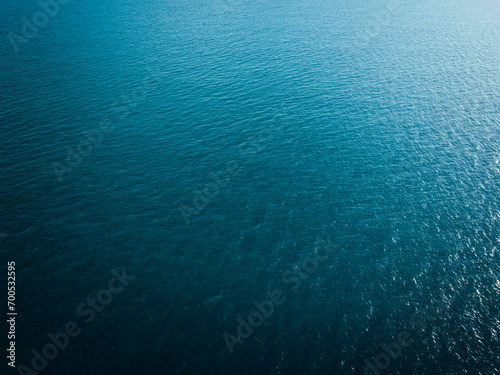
[211,146]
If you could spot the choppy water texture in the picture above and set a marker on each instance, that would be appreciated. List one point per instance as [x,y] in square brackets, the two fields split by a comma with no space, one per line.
[376,123]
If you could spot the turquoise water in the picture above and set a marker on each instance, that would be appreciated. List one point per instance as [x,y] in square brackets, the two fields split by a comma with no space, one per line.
[207,146]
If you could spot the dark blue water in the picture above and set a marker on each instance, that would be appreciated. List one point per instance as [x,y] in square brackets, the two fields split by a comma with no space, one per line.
[210,147]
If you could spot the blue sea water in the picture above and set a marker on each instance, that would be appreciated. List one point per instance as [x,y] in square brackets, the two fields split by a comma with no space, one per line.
[375,123]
